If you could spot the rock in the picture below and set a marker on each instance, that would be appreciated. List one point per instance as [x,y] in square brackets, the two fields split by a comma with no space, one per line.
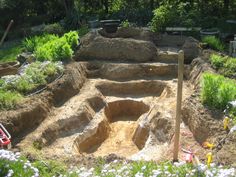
[25,57]
[191,49]
[97,47]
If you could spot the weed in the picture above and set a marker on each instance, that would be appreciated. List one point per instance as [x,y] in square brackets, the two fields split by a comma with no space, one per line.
[217,61]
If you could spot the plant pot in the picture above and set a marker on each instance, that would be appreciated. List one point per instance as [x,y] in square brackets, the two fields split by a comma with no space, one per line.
[110,26]
[210,32]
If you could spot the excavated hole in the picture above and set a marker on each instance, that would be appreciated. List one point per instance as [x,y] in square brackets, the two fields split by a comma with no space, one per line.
[114,134]
[136,89]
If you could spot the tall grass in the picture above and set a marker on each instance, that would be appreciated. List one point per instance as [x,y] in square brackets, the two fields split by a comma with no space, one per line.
[217,91]
[214,43]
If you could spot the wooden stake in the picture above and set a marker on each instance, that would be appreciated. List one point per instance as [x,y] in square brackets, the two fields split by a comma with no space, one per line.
[5,34]
[178,104]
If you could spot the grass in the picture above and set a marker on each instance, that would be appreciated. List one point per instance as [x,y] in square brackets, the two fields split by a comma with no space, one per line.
[224,65]
[10,50]
[217,91]
[214,43]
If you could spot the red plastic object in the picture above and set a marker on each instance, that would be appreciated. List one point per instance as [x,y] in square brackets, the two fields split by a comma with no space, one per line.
[4,140]
[189,158]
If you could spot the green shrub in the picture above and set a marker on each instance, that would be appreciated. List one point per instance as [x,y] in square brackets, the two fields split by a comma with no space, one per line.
[54,28]
[32,43]
[225,65]
[56,50]
[217,61]
[217,91]
[229,69]
[83,30]
[162,16]
[214,43]
[72,39]
[8,99]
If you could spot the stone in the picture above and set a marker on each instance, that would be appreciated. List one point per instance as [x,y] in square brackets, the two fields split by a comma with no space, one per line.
[191,49]
[94,46]
[25,57]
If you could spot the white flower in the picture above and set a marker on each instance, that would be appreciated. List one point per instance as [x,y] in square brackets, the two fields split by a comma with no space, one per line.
[233,103]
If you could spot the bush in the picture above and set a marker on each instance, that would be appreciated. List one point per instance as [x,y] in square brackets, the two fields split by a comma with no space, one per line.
[217,61]
[217,91]
[56,50]
[54,28]
[83,30]
[72,39]
[225,65]
[162,16]
[214,43]
[32,43]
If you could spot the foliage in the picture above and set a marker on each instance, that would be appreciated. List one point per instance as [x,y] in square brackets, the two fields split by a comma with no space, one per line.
[217,61]
[83,30]
[8,99]
[33,76]
[9,51]
[51,47]
[162,16]
[126,24]
[217,91]
[54,28]
[214,43]
[32,43]
[225,65]
[72,39]
[56,50]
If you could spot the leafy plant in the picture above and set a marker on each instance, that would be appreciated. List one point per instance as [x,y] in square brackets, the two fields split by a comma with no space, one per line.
[217,91]
[83,30]
[54,28]
[31,44]
[214,43]
[8,99]
[225,65]
[72,39]
[162,16]
[217,61]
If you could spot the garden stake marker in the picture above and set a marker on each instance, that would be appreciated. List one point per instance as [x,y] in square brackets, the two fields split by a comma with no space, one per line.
[178,104]
[226,123]
[209,158]
[5,138]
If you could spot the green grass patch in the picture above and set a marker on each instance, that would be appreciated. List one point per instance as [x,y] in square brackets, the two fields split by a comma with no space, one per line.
[217,91]
[10,50]
[214,43]
[225,65]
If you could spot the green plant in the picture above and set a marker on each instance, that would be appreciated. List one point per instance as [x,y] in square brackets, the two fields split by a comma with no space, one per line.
[32,43]
[10,50]
[214,43]
[162,16]
[56,50]
[72,39]
[217,91]
[217,61]
[8,99]
[54,28]
[83,30]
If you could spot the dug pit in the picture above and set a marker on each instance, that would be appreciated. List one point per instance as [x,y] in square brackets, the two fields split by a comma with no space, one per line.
[114,133]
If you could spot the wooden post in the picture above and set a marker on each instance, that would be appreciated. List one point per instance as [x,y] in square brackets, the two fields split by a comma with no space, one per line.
[178,104]
[5,34]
